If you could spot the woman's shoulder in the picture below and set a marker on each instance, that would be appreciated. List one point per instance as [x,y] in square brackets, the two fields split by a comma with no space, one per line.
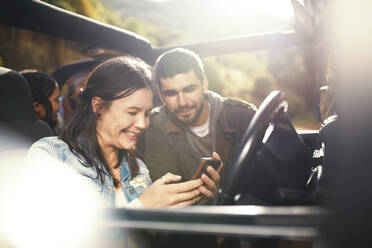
[58,149]
[53,146]
[142,166]
[45,149]
[52,141]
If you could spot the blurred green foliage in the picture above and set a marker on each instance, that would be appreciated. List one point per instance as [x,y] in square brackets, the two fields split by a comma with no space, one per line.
[158,36]
[252,76]
[91,8]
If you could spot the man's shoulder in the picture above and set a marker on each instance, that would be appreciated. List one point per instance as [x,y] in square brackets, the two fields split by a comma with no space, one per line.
[234,104]
[230,103]
[238,113]
[158,117]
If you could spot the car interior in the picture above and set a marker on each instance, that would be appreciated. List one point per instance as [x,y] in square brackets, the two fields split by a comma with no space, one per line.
[298,178]
[17,116]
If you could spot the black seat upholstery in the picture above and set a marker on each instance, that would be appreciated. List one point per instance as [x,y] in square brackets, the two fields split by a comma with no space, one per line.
[19,127]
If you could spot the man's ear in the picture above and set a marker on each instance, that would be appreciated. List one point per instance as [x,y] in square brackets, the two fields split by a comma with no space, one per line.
[97,104]
[205,85]
[159,93]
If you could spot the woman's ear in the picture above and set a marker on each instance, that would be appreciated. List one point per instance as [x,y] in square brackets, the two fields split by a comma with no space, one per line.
[97,104]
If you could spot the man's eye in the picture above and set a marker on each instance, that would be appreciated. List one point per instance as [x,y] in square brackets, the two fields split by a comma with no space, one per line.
[132,113]
[169,94]
[190,89]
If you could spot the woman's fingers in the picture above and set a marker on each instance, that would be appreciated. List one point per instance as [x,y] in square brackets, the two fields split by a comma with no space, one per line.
[174,179]
[166,191]
[178,198]
[184,186]
[206,192]
[183,204]
[193,201]
[186,196]
[168,178]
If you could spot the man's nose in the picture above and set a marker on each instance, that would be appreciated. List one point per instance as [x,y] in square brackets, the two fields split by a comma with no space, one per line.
[182,101]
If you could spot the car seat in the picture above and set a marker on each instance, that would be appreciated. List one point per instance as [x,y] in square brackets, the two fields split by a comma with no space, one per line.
[19,127]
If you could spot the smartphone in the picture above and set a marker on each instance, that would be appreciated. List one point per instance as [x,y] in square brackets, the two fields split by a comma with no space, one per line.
[204,163]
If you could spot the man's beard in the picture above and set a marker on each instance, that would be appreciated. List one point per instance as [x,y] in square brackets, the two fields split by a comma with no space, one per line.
[187,122]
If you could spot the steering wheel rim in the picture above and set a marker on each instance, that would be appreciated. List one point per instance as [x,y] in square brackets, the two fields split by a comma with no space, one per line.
[251,143]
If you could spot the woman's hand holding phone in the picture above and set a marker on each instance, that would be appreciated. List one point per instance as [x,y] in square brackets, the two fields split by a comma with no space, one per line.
[168,191]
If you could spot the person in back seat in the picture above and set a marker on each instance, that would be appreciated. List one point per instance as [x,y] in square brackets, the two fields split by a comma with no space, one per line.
[45,93]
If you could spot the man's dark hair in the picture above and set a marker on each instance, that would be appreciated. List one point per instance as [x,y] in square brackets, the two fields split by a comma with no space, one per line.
[113,79]
[176,61]
[42,86]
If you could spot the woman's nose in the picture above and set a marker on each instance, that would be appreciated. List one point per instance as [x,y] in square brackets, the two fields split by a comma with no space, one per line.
[142,122]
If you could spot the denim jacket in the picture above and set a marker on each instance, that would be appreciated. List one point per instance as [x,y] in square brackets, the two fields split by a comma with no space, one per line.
[132,188]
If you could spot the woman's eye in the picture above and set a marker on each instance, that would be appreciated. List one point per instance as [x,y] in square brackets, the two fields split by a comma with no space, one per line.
[132,113]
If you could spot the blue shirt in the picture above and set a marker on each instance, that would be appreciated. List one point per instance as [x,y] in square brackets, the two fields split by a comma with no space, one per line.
[59,150]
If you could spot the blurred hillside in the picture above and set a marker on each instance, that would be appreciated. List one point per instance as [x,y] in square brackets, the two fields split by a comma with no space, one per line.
[201,20]
[249,76]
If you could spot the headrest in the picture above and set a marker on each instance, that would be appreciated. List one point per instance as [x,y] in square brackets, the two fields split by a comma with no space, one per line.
[15,97]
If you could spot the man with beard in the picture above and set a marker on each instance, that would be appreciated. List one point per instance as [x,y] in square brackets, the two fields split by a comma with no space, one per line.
[193,122]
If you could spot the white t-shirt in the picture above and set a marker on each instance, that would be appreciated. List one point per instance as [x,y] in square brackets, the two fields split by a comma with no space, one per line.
[201,131]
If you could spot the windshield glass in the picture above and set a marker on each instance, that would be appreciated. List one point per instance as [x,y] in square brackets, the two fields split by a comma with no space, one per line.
[186,21]
[248,76]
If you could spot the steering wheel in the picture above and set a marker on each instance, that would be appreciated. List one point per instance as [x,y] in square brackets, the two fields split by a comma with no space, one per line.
[252,141]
